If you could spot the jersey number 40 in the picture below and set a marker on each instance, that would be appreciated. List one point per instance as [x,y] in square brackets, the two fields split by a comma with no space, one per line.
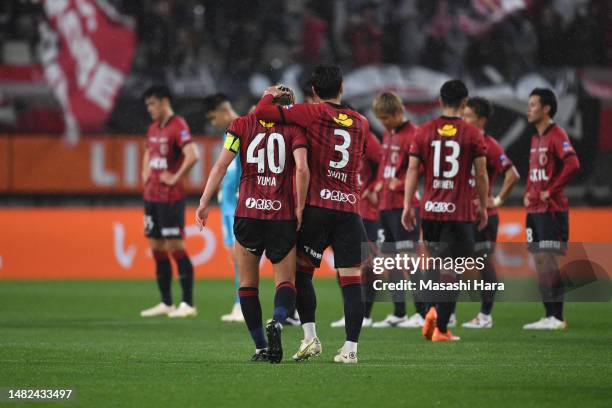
[259,157]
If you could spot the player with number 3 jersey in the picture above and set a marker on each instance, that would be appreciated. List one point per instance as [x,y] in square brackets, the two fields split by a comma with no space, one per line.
[337,139]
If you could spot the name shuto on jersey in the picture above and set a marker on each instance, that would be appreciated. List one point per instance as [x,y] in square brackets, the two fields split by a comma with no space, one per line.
[338,175]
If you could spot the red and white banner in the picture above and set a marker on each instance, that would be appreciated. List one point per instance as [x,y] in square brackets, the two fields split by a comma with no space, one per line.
[86,51]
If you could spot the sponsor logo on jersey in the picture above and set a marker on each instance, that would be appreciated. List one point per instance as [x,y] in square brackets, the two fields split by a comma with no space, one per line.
[538,175]
[440,207]
[344,120]
[158,163]
[312,252]
[447,130]
[265,124]
[339,196]
[263,204]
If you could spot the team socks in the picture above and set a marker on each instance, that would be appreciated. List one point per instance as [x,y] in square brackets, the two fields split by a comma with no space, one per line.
[185,269]
[488,296]
[284,301]
[306,298]
[398,296]
[251,310]
[163,270]
[353,306]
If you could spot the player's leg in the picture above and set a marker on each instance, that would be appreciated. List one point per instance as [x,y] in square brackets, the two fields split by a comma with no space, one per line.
[485,246]
[407,241]
[227,230]
[172,221]
[544,231]
[248,266]
[389,248]
[312,241]
[347,237]
[372,228]
[163,268]
[459,238]
[280,249]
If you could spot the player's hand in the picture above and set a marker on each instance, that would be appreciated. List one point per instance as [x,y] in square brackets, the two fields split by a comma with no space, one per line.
[545,195]
[483,218]
[167,178]
[490,203]
[409,218]
[394,184]
[378,186]
[526,200]
[299,212]
[274,91]
[145,176]
[201,215]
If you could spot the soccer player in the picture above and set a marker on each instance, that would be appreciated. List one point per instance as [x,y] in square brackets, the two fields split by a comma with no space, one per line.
[368,209]
[447,147]
[220,113]
[552,164]
[477,113]
[399,135]
[168,157]
[267,217]
[337,139]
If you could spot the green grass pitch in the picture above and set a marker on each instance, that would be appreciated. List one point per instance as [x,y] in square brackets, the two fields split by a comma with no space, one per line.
[88,336]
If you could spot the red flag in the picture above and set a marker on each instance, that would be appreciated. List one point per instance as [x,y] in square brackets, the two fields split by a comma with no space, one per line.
[87,50]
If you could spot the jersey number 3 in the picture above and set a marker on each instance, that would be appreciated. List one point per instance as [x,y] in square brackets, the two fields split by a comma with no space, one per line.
[342,148]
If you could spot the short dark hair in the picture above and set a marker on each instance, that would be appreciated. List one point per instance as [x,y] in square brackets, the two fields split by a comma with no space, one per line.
[547,98]
[287,98]
[481,106]
[453,92]
[327,81]
[158,91]
[212,102]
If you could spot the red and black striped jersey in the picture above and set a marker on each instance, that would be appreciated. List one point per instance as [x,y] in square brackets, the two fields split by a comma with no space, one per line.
[336,137]
[394,165]
[165,146]
[447,148]
[367,177]
[266,189]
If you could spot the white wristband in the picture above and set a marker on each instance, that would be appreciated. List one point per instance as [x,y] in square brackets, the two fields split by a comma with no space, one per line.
[497,201]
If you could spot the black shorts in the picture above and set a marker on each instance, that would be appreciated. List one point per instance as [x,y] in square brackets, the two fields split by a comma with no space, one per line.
[344,231]
[449,238]
[547,232]
[396,237]
[373,230]
[486,239]
[276,237]
[164,220]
